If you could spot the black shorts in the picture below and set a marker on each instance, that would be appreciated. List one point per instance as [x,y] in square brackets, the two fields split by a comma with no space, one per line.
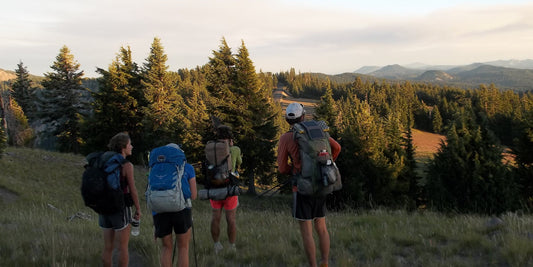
[116,221]
[309,207]
[180,221]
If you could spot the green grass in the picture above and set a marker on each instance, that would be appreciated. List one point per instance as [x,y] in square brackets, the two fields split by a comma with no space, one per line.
[40,198]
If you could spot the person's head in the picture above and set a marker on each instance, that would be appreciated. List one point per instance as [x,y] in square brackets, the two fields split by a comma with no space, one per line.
[224,132]
[294,113]
[119,142]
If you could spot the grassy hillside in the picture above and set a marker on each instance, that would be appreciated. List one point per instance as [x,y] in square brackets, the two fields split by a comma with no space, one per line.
[44,223]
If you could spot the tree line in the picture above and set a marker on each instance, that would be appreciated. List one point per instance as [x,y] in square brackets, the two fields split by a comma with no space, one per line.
[372,120]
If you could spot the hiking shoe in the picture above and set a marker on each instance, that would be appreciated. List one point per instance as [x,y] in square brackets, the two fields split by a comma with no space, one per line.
[218,247]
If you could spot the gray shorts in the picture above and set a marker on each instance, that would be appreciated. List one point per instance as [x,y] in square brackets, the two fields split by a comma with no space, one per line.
[116,221]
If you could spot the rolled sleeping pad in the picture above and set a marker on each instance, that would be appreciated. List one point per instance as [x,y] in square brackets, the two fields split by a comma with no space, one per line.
[219,193]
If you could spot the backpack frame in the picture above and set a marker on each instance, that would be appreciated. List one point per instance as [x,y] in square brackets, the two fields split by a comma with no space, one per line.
[164,190]
[319,175]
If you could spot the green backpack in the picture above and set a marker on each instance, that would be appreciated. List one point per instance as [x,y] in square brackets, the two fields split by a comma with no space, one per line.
[319,176]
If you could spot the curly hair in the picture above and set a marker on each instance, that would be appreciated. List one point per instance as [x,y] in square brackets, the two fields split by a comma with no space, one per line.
[118,142]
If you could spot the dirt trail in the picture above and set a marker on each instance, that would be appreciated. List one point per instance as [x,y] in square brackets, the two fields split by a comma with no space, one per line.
[282,96]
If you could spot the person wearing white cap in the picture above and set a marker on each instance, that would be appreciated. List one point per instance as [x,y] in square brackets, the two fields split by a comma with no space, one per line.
[308,210]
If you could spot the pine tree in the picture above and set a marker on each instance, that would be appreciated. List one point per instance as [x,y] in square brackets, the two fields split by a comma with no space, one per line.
[164,110]
[3,135]
[523,151]
[23,92]
[220,78]
[19,132]
[467,174]
[117,105]
[327,109]
[256,127]
[437,120]
[60,104]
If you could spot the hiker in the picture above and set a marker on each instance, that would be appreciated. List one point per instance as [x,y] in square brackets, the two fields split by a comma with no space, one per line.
[117,225]
[178,221]
[308,210]
[236,158]
[231,202]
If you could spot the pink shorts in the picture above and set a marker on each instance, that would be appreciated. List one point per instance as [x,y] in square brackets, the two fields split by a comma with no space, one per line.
[229,203]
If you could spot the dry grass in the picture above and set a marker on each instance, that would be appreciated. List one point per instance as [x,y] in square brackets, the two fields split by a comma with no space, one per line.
[44,223]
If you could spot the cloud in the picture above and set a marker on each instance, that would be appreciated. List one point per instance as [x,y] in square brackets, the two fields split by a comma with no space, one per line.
[278,34]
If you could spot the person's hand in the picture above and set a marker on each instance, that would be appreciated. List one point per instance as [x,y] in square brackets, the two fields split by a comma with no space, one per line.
[137,214]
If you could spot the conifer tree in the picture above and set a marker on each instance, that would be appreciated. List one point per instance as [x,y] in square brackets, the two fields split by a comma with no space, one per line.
[467,174]
[18,130]
[3,137]
[164,110]
[117,105]
[60,104]
[327,109]
[437,120]
[23,92]
[220,79]
[256,127]
[523,151]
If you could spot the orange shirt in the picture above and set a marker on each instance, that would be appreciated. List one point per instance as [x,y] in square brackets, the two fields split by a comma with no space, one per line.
[288,149]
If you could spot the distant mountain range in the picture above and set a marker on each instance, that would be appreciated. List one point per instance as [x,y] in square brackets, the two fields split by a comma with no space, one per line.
[514,75]
[504,74]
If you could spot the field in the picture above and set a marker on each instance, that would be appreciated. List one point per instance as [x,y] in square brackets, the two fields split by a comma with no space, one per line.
[44,223]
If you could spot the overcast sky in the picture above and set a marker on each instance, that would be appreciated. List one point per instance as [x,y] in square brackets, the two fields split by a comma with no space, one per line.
[331,37]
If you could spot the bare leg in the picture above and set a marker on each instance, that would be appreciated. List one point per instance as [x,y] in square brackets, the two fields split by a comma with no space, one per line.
[123,240]
[183,248]
[323,237]
[232,225]
[215,224]
[107,254]
[306,229]
[166,252]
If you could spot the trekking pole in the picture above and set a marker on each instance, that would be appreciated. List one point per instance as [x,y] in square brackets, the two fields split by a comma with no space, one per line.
[174,249]
[194,242]
[280,185]
[264,193]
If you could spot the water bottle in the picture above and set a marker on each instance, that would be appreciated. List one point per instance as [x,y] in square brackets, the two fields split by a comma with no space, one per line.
[135,227]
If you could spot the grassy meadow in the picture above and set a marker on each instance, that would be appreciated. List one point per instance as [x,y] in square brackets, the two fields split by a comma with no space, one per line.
[43,222]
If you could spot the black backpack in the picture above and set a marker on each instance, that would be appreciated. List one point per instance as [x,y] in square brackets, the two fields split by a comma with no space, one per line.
[99,182]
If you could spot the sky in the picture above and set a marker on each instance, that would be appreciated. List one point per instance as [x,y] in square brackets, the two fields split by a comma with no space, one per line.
[330,37]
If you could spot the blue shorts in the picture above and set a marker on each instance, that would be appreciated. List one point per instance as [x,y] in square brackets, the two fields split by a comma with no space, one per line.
[116,221]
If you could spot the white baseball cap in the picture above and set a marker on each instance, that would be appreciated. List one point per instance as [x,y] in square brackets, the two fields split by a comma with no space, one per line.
[294,110]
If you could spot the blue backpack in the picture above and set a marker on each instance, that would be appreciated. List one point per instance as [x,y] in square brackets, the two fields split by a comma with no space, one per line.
[164,191]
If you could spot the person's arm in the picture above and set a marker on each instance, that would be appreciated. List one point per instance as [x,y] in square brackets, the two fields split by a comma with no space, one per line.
[335,148]
[192,185]
[128,171]
[239,158]
[283,157]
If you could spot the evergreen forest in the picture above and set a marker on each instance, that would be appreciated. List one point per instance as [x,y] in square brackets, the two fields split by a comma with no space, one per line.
[372,120]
